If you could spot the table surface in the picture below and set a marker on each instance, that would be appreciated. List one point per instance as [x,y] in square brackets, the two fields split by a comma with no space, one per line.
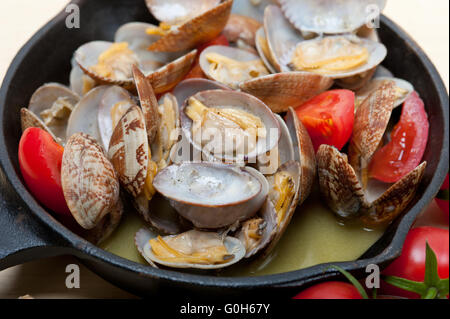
[427,23]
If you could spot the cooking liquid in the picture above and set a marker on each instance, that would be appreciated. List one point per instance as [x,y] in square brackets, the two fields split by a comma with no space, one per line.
[313,237]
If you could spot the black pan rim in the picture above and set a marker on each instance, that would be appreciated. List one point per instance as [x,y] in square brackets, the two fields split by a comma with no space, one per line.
[83,249]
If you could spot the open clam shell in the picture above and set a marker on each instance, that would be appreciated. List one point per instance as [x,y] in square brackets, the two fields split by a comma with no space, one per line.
[329,16]
[52,104]
[252,8]
[198,30]
[29,119]
[196,240]
[303,153]
[141,238]
[377,52]
[358,81]
[262,47]
[211,195]
[403,85]
[344,194]
[190,87]
[80,83]
[281,37]
[371,120]
[222,99]
[81,119]
[128,151]
[241,29]
[289,89]
[88,179]
[235,54]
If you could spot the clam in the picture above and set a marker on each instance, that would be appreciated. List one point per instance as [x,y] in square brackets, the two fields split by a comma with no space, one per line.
[192,27]
[88,179]
[402,90]
[49,108]
[330,17]
[344,194]
[241,30]
[288,89]
[252,8]
[192,249]
[231,126]
[190,87]
[231,66]
[112,63]
[211,195]
[129,151]
[106,226]
[262,47]
[80,82]
[303,153]
[264,231]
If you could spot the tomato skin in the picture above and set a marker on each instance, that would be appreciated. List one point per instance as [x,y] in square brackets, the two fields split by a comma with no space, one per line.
[407,146]
[330,290]
[411,263]
[196,71]
[329,117]
[40,160]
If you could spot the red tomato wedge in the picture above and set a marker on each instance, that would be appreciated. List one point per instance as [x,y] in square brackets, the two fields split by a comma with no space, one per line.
[196,71]
[408,142]
[40,160]
[329,118]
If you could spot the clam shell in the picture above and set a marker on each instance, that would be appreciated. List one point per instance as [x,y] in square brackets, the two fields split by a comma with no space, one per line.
[43,99]
[241,28]
[282,38]
[364,92]
[283,90]
[141,238]
[78,79]
[167,77]
[233,245]
[395,200]
[252,8]
[111,97]
[377,53]
[29,119]
[262,48]
[303,153]
[198,30]
[134,33]
[159,214]
[190,87]
[149,104]
[328,16]
[128,151]
[371,120]
[81,119]
[205,206]
[87,56]
[178,11]
[339,185]
[358,81]
[294,169]
[243,101]
[230,52]
[344,194]
[88,180]
[106,226]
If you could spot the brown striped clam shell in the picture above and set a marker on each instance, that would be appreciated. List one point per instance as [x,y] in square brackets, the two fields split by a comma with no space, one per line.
[198,30]
[128,151]
[89,182]
[29,119]
[289,89]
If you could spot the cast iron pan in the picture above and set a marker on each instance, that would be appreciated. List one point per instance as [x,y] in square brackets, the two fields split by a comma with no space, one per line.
[28,232]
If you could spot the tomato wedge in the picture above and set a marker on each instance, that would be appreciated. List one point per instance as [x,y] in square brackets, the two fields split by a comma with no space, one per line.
[408,142]
[329,117]
[196,71]
[40,160]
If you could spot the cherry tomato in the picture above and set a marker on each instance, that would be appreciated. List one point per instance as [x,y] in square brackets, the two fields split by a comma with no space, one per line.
[411,264]
[196,71]
[442,198]
[408,142]
[329,117]
[40,160]
[330,290]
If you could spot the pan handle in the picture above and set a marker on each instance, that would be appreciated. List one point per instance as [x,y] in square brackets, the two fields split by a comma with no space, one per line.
[23,237]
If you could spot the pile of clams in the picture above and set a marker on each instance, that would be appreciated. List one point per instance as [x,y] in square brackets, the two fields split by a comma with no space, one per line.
[216,166]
